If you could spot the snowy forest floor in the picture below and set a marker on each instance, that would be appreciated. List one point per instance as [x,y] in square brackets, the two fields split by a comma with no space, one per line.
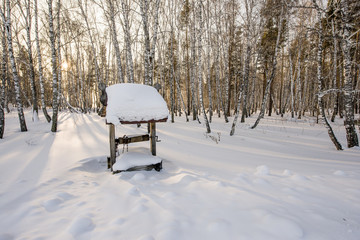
[282,180]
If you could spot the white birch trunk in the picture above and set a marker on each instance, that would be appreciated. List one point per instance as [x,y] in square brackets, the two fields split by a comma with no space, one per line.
[149,47]
[126,28]
[115,42]
[200,80]
[218,83]
[54,68]
[144,7]
[3,82]
[7,25]
[193,68]
[41,77]
[27,18]
[154,41]
[99,78]
[334,82]
[298,84]
[351,135]
[244,83]
[273,71]
[249,7]
[208,61]
[291,85]
[320,79]
[177,79]
[58,37]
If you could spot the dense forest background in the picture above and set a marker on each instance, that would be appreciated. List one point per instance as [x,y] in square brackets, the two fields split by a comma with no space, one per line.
[207,57]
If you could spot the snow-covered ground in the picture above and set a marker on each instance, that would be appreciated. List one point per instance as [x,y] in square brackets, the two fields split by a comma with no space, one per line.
[282,180]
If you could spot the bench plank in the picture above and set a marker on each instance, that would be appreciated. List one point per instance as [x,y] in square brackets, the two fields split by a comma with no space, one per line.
[132,139]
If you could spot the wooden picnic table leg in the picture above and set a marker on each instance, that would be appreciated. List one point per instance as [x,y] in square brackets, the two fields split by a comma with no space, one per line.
[153,138]
[112,146]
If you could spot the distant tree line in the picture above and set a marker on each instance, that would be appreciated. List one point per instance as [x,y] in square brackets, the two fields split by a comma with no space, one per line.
[211,58]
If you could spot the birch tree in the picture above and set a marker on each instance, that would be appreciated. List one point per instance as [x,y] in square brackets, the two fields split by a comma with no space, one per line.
[149,46]
[7,25]
[125,9]
[273,69]
[3,82]
[200,73]
[193,66]
[113,30]
[208,74]
[347,43]
[249,7]
[39,55]
[54,66]
[335,71]
[221,105]
[58,38]
[320,77]
[99,77]
[28,23]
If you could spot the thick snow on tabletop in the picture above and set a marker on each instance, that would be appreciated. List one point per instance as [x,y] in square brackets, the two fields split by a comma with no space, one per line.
[128,102]
[138,157]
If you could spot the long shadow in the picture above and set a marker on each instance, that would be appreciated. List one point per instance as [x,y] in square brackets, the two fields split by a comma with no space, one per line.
[29,176]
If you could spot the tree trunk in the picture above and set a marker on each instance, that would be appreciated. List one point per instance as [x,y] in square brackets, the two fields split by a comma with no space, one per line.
[334,80]
[41,77]
[126,27]
[351,135]
[221,105]
[320,80]
[281,96]
[149,52]
[273,71]
[298,84]
[58,37]
[27,18]
[54,68]
[115,42]
[3,82]
[99,78]
[244,83]
[193,68]
[177,80]
[7,24]
[200,73]
[291,67]
[208,62]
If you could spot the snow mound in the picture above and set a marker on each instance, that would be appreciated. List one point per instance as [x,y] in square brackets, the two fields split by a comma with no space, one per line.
[134,159]
[81,225]
[262,170]
[52,205]
[287,173]
[134,103]
[281,227]
[339,173]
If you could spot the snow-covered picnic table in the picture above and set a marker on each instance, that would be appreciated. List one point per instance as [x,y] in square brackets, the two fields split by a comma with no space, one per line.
[129,103]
